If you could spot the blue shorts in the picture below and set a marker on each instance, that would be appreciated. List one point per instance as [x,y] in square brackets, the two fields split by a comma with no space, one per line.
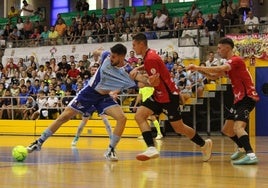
[88,100]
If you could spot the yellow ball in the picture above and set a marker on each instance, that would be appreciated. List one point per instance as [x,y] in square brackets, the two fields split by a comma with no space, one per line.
[19,153]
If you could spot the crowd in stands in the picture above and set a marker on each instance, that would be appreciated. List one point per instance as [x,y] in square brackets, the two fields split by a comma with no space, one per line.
[90,28]
[43,89]
[29,90]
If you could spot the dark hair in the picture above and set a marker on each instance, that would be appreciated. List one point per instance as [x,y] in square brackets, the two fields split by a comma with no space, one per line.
[227,41]
[140,37]
[119,49]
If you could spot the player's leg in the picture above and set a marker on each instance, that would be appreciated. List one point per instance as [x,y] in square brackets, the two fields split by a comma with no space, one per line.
[242,110]
[243,137]
[117,113]
[107,124]
[80,129]
[157,126]
[180,127]
[228,130]
[65,116]
[141,118]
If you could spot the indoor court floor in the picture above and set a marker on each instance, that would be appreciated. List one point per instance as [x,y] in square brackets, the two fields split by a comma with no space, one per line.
[58,165]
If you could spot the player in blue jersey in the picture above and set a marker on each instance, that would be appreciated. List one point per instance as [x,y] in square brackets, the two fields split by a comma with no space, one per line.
[109,79]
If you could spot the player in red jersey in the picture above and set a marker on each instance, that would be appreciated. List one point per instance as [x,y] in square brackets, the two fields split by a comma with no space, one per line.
[165,98]
[245,98]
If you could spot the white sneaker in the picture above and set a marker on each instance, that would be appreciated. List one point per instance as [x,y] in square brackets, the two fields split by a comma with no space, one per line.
[150,153]
[159,136]
[206,150]
[111,155]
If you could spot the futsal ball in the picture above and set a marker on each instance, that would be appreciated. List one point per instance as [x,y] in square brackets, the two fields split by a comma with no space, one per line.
[19,153]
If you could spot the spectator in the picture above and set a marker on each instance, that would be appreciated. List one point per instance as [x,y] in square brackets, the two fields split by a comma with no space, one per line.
[53,36]
[149,13]
[105,14]
[7,31]
[150,35]
[212,29]
[69,36]
[200,21]
[84,5]
[251,23]
[78,5]
[15,36]
[27,28]
[212,61]
[243,8]
[50,73]
[27,9]
[10,68]
[95,59]
[160,20]
[123,13]
[86,62]
[44,37]
[40,101]
[29,108]
[40,13]
[67,98]
[35,37]
[53,64]
[58,18]
[80,35]
[193,11]
[60,27]
[132,60]
[134,15]
[20,26]
[6,105]
[73,73]
[170,63]
[224,19]
[22,99]
[13,12]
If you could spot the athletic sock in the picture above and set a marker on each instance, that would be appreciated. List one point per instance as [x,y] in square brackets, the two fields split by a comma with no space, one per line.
[198,140]
[236,140]
[244,140]
[47,133]
[114,141]
[148,138]
[157,126]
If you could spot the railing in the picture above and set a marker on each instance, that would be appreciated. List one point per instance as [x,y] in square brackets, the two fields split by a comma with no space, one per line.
[10,105]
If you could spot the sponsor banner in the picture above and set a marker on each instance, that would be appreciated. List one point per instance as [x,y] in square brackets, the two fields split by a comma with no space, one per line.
[45,53]
[251,46]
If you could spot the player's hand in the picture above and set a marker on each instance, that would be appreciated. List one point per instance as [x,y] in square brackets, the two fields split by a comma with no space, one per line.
[134,72]
[154,80]
[114,94]
[192,67]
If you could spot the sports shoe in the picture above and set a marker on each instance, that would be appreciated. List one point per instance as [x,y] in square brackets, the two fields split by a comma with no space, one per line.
[110,155]
[159,136]
[75,140]
[236,155]
[150,153]
[36,145]
[247,160]
[206,150]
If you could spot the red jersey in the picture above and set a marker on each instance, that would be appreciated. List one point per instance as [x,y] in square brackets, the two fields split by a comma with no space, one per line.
[241,80]
[154,64]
